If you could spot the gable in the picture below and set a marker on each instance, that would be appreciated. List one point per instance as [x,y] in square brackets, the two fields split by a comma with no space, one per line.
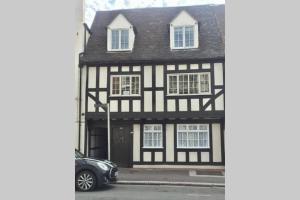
[120,22]
[183,18]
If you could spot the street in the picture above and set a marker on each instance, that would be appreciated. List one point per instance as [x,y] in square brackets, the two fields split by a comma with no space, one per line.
[152,192]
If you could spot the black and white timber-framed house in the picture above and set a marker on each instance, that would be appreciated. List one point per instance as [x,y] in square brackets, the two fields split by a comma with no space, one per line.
[162,72]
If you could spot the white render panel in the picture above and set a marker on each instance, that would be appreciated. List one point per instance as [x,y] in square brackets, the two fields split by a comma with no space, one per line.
[136,68]
[114,68]
[182,67]
[159,76]
[181,157]
[102,99]
[148,76]
[195,105]
[147,156]
[216,142]
[136,142]
[205,100]
[182,104]
[194,66]
[103,77]
[124,105]
[136,105]
[170,67]
[158,156]
[159,98]
[204,156]
[91,104]
[147,101]
[92,77]
[206,66]
[171,104]
[169,142]
[208,108]
[219,103]
[125,68]
[217,90]
[218,69]
[113,105]
[193,156]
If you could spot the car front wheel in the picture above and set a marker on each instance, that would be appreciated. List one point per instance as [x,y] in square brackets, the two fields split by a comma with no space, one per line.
[85,181]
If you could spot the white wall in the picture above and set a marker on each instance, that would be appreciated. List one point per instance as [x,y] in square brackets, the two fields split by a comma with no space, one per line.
[136,142]
[216,141]
[218,69]
[147,101]
[148,76]
[159,98]
[170,142]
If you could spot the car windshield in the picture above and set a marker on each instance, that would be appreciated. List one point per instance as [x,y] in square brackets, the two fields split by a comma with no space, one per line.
[78,154]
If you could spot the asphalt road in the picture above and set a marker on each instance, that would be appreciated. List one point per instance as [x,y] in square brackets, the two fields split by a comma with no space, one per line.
[152,192]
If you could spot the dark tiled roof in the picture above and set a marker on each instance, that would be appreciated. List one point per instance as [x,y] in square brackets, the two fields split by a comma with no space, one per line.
[152,35]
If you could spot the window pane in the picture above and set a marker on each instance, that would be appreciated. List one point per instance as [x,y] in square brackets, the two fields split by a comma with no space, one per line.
[194,83]
[172,84]
[178,37]
[116,85]
[115,39]
[204,83]
[135,85]
[124,39]
[189,36]
[125,85]
[183,84]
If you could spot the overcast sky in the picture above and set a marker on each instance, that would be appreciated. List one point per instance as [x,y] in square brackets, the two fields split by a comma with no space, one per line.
[93,5]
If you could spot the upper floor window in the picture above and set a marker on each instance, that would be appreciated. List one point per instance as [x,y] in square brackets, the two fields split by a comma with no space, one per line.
[189,83]
[125,85]
[184,37]
[120,39]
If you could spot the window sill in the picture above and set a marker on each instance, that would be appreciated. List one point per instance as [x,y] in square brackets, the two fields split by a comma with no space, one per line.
[152,147]
[125,96]
[171,95]
[193,147]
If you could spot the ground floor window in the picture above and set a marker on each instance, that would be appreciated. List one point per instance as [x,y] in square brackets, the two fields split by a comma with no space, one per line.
[153,136]
[192,136]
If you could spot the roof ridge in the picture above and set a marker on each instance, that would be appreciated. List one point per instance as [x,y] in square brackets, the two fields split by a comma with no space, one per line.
[166,7]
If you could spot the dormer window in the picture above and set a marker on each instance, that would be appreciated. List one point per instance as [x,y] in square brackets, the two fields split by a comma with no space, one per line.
[184,32]
[120,34]
[120,39]
[184,36]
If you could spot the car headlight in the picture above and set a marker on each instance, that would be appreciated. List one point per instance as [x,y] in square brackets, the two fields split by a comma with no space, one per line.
[102,166]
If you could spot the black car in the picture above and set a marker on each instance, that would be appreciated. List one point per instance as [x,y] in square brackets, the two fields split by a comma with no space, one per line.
[91,173]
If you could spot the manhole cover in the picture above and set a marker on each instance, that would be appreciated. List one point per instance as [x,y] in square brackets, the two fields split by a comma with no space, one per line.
[212,173]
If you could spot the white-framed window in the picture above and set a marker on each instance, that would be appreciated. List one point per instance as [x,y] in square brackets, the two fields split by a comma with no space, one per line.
[120,39]
[125,85]
[192,136]
[152,136]
[189,83]
[184,37]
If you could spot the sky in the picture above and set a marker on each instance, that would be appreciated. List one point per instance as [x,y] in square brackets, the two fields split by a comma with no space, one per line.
[91,6]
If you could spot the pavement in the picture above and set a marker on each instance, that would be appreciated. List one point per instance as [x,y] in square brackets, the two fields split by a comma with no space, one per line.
[152,192]
[175,177]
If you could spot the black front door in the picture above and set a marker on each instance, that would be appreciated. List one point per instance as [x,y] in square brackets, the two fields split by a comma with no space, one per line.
[121,146]
[98,143]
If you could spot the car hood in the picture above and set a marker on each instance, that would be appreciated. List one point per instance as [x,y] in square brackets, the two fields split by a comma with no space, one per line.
[107,162]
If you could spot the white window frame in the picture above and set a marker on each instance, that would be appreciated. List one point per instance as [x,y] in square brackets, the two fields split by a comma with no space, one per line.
[119,30]
[183,37]
[120,87]
[152,131]
[199,92]
[198,147]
